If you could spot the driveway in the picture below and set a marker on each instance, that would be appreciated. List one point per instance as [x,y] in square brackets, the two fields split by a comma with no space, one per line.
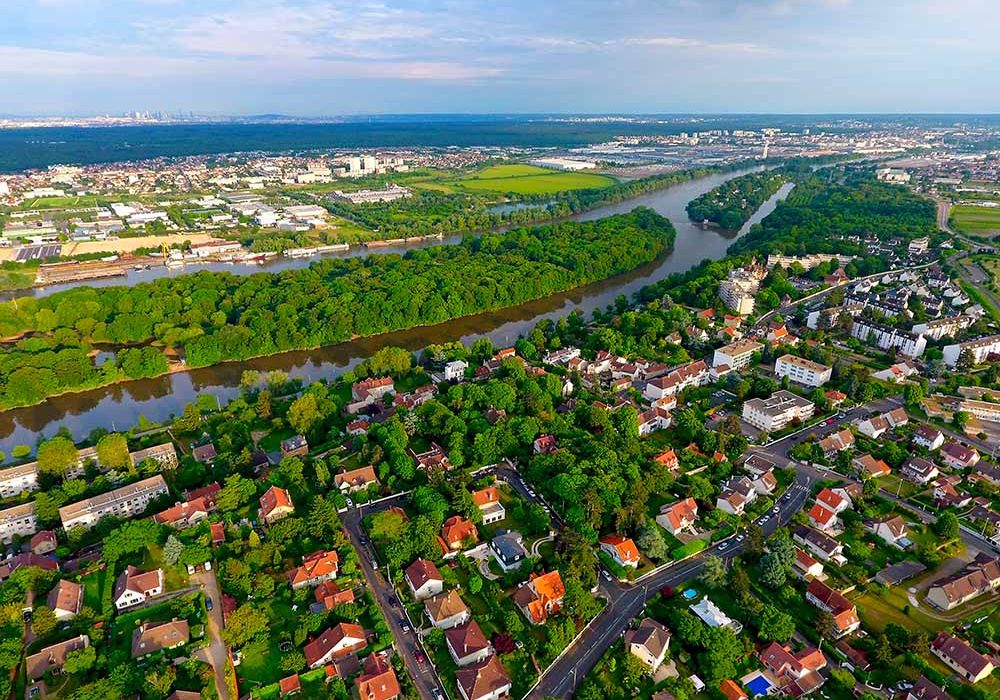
[216,654]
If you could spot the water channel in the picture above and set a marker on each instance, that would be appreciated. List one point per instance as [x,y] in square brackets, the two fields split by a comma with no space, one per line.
[119,406]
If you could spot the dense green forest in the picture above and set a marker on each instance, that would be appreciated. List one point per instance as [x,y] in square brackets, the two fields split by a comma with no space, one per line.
[733,202]
[817,216]
[430,211]
[216,317]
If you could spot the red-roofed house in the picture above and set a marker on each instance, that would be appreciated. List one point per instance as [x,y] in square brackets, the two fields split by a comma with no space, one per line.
[845,615]
[340,640]
[316,568]
[678,517]
[621,549]
[276,504]
[822,518]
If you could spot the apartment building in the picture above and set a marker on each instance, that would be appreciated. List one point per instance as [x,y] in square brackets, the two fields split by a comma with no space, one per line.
[887,338]
[165,455]
[802,371]
[774,413]
[979,349]
[18,521]
[941,327]
[736,355]
[18,479]
[739,290]
[125,502]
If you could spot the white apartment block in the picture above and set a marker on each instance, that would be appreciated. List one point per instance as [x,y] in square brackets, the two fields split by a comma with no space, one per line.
[736,355]
[774,413]
[125,502]
[983,410]
[19,479]
[980,350]
[802,371]
[738,296]
[939,328]
[18,521]
[886,338]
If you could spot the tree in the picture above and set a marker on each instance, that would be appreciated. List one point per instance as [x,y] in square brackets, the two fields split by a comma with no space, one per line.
[80,661]
[772,571]
[189,420]
[723,654]
[235,492]
[246,623]
[293,661]
[43,621]
[57,455]
[714,573]
[912,395]
[774,625]
[131,537]
[946,526]
[960,419]
[826,625]
[112,451]
[172,550]
[650,541]
[304,414]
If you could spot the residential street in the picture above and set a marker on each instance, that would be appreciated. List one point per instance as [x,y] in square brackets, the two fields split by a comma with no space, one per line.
[216,653]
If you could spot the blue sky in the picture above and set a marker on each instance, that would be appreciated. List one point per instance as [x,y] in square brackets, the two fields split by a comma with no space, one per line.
[315,57]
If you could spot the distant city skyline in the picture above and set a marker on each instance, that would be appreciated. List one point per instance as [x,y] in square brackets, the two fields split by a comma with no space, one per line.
[313,58]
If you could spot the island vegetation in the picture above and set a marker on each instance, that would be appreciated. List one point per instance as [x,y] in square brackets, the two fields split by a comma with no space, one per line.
[207,318]
[733,202]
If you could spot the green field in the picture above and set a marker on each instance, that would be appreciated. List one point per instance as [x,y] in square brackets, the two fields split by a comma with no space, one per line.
[61,203]
[976,221]
[528,179]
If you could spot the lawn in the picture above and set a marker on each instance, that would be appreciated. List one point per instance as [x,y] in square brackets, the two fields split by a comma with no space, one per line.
[61,202]
[975,220]
[879,609]
[527,179]
[93,587]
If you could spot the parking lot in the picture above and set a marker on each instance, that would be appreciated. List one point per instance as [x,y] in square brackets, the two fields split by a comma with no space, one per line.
[38,252]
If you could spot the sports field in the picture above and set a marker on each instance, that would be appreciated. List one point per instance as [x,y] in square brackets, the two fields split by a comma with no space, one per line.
[528,179]
[976,221]
[61,203]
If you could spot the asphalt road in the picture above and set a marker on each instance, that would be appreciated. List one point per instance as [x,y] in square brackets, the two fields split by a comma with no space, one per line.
[216,654]
[424,676]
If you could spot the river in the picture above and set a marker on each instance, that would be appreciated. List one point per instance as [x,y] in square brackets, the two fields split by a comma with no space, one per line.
[119,406]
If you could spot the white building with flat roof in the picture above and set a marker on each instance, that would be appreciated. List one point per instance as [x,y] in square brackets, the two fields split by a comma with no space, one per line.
[980,349]
[736,355]
[802,371]
[18,521]
[19,479]
[774,413]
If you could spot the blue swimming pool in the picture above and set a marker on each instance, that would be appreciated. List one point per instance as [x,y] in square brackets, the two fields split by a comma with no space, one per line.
[690,594]
[758,685]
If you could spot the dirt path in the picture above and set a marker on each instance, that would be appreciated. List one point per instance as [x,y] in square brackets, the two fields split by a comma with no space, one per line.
[216,654]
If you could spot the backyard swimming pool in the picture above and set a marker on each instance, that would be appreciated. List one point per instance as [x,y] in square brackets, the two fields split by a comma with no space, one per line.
[758,685]
[690,594]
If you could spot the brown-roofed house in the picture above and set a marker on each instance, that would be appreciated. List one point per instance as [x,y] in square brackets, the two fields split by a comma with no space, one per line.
[185,514]
[845,615]
[962,658]
[486,680]
[355,479]
[649,643]
[54,656]
[316,568]
[66,599]
[378,682]
[424,579]
[135,586]
[339,640]
[289,685]
[43,542]
[981,576]
[467,644]
[152,637]
[329,594]
[678,517]
[447,610]
[732,690]
[458,530]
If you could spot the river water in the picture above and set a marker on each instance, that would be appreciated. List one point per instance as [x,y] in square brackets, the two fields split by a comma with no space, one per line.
[118,407]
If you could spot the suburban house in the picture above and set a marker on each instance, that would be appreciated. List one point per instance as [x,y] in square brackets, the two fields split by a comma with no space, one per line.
[961,658]
[204,454]
[648,643]
[876,426]
[831,500]
[456,532]
[486,680]
[927,437]
[65,600]
[981,576]
[765,483]
[185,514]
[316,568]
[53,657]
[151,637]
[329,595]
[822,518]
[736,494]
[424,579]
[377,681]
[678,517]
[845,615]
[797,673]
[654,419]
[508,550]
[295,446]
[805,567]
[447,610]
[541,596]
[712,615]
[164,455]
[276,504]
[467,644]
[622,550]
[958,456]
[544,444]
[488,502]
[355,479]
[455,370]
[892,531]
[919,470]
[822,546]
[837,442]
[9,566]
[923,689]
[135,586]
[367,392]
[433,458]
[868,467]
[340,640]
[43,542]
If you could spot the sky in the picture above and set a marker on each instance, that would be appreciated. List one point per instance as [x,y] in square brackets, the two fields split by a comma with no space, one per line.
[334,57]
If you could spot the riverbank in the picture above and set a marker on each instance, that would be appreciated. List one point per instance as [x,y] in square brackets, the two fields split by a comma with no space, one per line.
[160,398]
